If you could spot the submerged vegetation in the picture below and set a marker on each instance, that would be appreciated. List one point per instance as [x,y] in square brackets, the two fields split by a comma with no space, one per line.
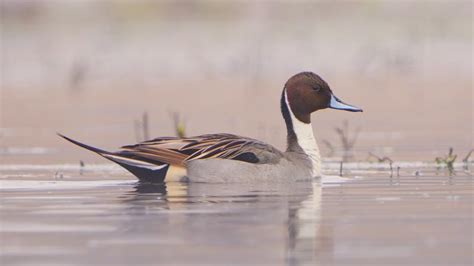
[447,161]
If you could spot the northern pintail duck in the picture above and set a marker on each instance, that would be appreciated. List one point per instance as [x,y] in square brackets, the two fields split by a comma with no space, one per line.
[232,158]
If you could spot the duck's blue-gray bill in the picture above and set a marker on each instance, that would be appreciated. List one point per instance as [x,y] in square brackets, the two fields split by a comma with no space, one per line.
[340,105]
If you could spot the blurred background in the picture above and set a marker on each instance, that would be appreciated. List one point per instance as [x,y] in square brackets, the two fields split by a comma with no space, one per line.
[109,73]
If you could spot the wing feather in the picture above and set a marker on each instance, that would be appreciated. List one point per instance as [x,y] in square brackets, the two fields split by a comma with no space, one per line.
[179,151]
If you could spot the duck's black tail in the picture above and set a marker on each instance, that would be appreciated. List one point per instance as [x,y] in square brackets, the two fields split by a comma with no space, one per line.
[144,170]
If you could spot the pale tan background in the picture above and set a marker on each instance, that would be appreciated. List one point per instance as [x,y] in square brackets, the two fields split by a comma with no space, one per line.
[89,68]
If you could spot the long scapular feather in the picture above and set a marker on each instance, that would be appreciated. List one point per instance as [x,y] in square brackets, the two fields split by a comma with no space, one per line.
[145,171]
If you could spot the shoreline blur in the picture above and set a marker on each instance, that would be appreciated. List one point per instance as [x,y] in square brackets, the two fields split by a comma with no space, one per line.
[89,69]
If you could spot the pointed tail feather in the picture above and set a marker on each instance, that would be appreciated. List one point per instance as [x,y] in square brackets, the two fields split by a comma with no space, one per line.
[143,170]
[87,147]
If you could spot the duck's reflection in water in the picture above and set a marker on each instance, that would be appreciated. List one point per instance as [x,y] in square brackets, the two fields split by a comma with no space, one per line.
[239,223]
[309,242]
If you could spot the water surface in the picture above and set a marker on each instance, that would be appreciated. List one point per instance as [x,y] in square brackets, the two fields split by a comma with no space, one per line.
[103,217]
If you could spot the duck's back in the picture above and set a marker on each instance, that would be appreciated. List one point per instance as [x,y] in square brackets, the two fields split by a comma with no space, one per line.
[182,151]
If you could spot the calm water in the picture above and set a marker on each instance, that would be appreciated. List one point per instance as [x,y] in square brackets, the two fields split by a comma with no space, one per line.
[103,216]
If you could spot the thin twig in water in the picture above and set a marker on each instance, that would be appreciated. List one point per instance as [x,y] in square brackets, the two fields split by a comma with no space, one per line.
[391,169]
[81,167]
[145,126]
[330,148]
[141,128]
[347,141]
[381,160]
[340,168]
[466,159]
[179,125]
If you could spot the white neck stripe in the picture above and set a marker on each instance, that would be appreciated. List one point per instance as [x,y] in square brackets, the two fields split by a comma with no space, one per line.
[305,139]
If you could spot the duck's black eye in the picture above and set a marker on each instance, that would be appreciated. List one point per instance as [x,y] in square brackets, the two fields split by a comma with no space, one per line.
[317,89]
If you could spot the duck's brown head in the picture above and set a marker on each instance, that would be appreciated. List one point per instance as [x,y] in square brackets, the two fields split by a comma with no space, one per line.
[307,92]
